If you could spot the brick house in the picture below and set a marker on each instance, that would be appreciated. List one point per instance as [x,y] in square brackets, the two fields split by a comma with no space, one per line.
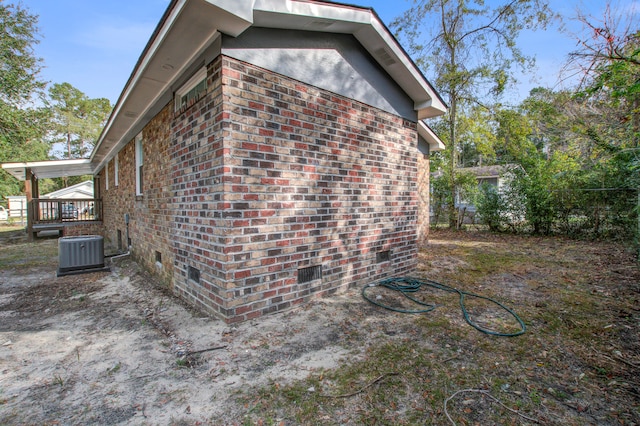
[265,152]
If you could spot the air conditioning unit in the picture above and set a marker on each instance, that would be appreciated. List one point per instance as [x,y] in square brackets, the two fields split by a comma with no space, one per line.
[80,254]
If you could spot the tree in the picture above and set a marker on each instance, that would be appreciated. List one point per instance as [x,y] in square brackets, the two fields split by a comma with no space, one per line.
[471,52]
[77,119]
[21,124]
[609,59]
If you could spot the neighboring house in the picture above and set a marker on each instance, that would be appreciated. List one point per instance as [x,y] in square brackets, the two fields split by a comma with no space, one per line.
[498,175]
[82,190]
[76,202]
[494,175]
[266,152]
[17,206]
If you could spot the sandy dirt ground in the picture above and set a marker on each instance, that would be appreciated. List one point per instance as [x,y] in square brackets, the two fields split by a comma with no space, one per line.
[110,348]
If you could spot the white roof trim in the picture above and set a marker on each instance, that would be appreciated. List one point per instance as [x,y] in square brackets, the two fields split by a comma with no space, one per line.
[50,169]
[435,143]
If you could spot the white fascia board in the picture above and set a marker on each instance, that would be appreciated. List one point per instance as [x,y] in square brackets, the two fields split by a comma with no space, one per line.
[435,143]
[233,17]
[332,12]
[365,26]
[242,9]
[50,169]
[228,16]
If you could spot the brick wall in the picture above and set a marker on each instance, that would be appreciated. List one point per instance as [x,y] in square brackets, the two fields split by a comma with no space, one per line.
[311,179]
[198,174]
[150,215]
[264,176]
[77,229]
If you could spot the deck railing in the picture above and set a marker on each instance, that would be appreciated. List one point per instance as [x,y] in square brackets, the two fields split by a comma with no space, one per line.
[59,210]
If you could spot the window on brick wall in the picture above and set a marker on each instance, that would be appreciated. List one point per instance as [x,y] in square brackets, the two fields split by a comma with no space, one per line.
[139,162]
[192,90]
[115,172]
[106,177]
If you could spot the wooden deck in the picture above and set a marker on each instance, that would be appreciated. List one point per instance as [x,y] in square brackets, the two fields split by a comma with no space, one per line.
[57,214]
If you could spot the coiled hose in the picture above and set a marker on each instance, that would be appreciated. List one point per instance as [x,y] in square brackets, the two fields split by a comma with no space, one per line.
[407,286]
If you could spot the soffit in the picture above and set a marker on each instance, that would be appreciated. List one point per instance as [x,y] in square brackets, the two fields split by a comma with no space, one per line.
[50,169]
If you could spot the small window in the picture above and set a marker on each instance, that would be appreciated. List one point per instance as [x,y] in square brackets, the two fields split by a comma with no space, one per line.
[115,172]
[139,162]
[158,257]
[192,90]
[106,177]
[309,274]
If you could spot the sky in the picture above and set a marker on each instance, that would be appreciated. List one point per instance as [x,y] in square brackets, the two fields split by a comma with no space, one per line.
[94,45]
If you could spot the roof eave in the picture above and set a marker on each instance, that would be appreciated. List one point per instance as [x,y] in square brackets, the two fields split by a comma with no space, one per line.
[166,58]
[435,143]
[50,169]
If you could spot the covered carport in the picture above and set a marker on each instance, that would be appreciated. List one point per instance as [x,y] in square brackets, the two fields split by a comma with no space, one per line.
[46,214]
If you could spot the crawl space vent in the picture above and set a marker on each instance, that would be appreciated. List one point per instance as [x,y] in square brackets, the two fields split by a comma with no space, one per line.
[309,274]
[383,256]
[194,274]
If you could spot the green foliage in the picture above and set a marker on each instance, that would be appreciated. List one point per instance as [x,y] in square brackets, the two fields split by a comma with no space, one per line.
[548,196]
[578,154]
[73,119]
[442,197]
[471,50]
[491,207]
[532,188]
[21,125]
[18,34]
[77,119]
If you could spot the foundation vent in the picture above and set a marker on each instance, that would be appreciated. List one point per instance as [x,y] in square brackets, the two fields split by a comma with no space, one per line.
[383,256]
[309,274]
[194,274]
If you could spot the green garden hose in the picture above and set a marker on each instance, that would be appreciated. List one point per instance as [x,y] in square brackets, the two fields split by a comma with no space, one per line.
[407,285]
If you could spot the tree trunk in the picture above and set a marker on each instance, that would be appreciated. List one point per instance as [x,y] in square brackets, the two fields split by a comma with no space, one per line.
[451,208]
[69,145]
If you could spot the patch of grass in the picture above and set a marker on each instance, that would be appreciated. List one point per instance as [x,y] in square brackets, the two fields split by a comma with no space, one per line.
[572,307]
[113,370]
[58,380]
[28,255]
